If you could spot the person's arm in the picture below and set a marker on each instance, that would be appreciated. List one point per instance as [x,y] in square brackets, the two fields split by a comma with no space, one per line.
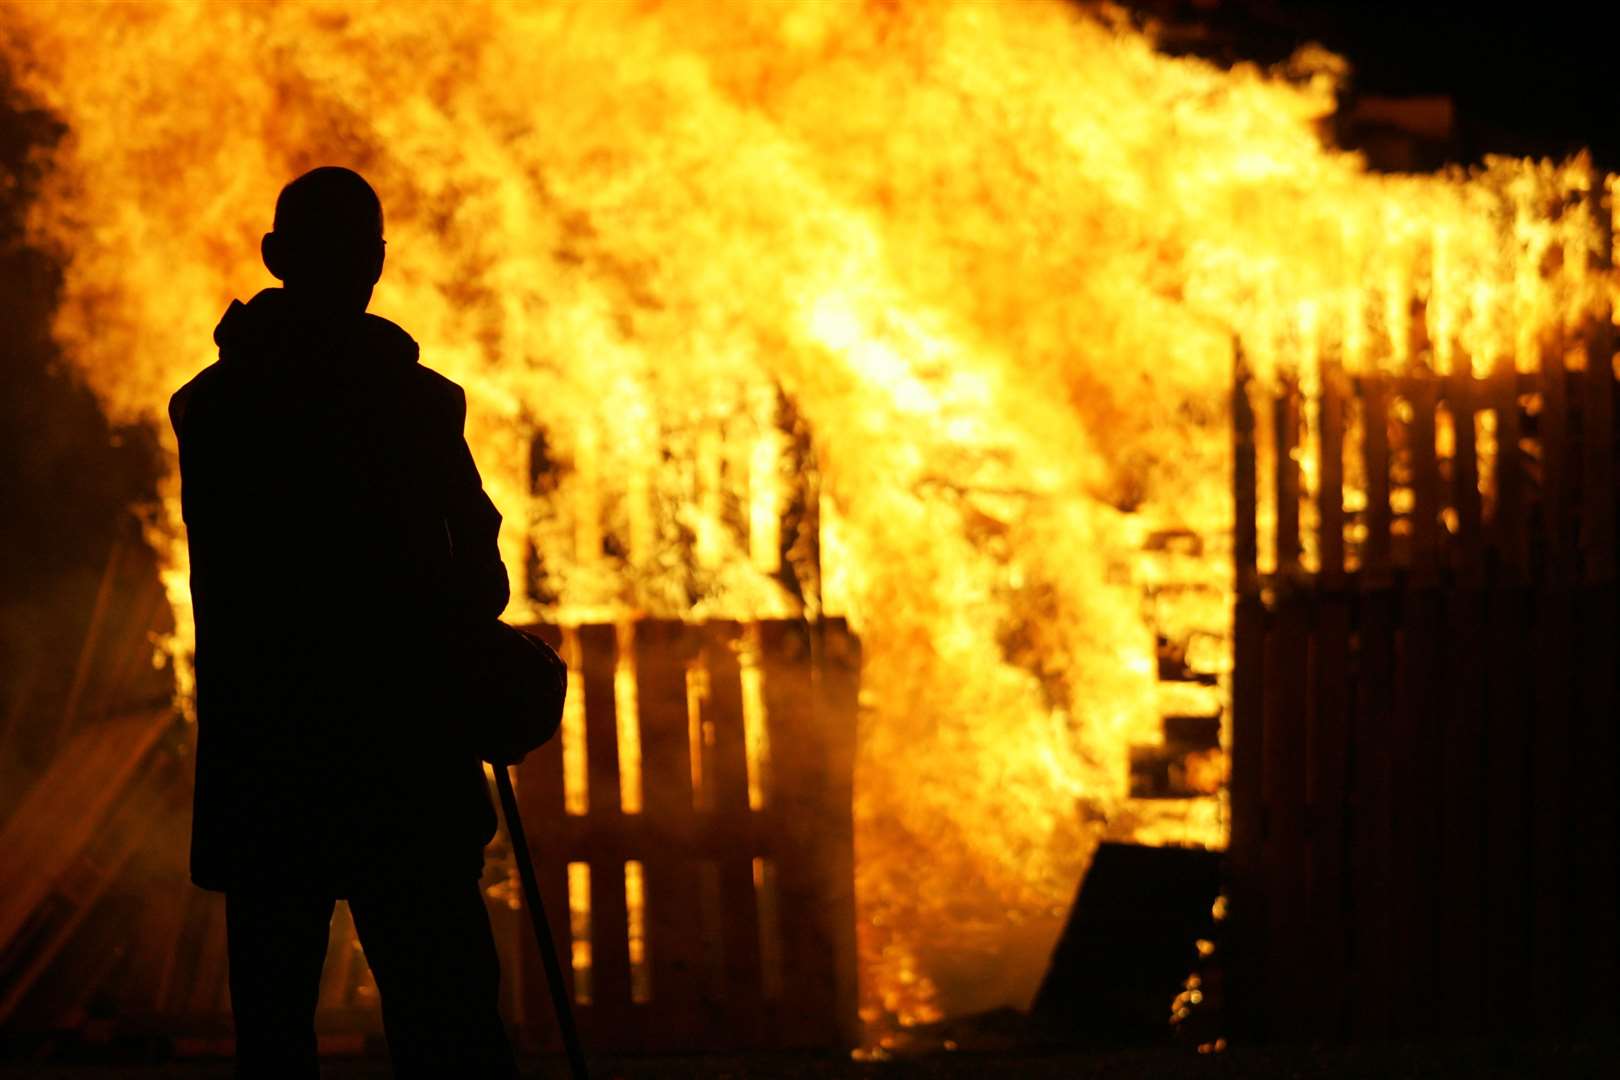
[479,577]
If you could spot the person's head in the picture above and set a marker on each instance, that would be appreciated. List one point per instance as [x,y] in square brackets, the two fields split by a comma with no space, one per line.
[326,245]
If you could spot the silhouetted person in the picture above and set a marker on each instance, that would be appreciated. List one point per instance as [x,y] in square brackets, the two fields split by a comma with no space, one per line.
[340,536]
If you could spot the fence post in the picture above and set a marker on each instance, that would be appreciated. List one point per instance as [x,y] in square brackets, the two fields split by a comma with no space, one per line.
[1328,738]
[1369,757]
[1463,800]
[1507,743]
[1283,759]
[1596,847]
[1247,894]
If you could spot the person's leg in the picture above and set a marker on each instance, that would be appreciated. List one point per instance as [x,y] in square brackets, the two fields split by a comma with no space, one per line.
[276,945]
[432,953]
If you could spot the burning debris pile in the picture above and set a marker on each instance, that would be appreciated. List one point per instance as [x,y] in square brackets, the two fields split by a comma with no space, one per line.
[965,278]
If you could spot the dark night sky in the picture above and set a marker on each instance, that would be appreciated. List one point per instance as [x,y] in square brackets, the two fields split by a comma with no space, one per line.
[1531,79]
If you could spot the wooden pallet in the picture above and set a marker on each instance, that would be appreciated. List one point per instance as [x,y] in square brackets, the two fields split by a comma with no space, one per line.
[703,879]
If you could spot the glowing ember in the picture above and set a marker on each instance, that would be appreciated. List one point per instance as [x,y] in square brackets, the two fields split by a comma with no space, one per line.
[993,255]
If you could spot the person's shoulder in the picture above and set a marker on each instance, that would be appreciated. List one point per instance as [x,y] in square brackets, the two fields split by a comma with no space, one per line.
[403,355]
[445,391]
[446,400]
[440,386]
[202,386]
[387,340]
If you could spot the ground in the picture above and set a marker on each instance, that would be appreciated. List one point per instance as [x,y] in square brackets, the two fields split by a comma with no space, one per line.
[1394,1061]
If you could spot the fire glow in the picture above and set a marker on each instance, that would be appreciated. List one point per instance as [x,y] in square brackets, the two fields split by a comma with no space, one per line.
[993,256]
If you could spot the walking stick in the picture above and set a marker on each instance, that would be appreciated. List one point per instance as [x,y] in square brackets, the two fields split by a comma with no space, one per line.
[537,912]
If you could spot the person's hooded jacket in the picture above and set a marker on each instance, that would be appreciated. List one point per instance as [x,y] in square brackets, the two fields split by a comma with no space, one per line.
[340,537]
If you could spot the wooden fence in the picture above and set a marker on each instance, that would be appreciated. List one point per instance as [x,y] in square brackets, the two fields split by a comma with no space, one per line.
[1423,747]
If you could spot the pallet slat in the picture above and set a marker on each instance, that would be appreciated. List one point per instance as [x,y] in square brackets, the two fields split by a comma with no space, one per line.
[1285,725]
[1595,882]
[1329,735]
[1248,715]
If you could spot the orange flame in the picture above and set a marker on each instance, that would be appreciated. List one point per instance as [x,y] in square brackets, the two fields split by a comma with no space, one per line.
[994,255]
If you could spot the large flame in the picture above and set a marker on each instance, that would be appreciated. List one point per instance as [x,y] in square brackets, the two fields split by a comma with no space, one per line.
[994,256]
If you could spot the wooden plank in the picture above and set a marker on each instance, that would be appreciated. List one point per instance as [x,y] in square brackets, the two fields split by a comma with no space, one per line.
[1594,854]
[1468,563]
[540,797]
[1330,474]
[1509,533]
[1508,925]
[1285,413]
[610,947]
[1376,551]
[738,903]
[1328,738]
[1247,1008]
[836,670]
[725,700]
[743,1003]
[540,775]
[1550,774]
[807,1016]
[1329,748]
[1557,525]
[598,661]
[663,650]
[1597,850]
[799,561]
[1415,750]
[508,922]
[1245,539]
[1422,393]
[1554,642]
[1414,760]
[1373,961]
[1460,944]
[1597,411]
[1285,770]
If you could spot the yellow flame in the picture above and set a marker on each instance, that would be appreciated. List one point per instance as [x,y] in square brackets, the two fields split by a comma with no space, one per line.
[994,256]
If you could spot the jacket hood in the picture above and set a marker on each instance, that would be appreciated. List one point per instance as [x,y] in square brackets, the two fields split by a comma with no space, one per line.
[270,326]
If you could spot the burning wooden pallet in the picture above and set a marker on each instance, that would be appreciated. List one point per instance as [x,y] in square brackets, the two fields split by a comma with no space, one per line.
[694,822]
